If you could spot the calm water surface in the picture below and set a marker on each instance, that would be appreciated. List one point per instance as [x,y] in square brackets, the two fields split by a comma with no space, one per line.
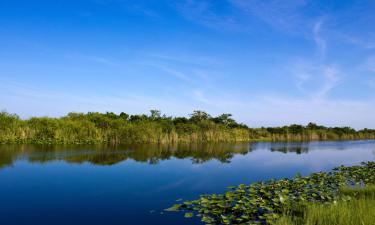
[133,184]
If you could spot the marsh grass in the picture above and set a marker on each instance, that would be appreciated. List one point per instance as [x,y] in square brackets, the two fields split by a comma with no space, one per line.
[358,192]
[360,210]
[111,128]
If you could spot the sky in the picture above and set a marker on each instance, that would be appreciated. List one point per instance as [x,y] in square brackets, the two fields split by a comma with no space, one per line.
[267,62]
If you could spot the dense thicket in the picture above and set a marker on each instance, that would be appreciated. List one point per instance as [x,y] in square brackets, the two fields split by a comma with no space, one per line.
[94,127]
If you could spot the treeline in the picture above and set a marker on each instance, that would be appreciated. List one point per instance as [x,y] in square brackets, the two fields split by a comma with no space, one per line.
[95,127]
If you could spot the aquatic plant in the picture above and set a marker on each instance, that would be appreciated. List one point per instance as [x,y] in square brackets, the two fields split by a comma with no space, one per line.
[264,202]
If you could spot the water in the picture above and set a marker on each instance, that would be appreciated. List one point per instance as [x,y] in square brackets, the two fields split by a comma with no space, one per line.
[133,184]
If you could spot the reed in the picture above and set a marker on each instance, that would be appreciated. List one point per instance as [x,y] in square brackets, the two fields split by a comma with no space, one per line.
[94,127]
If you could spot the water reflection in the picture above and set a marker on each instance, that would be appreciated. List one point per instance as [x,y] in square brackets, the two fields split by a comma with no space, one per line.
[153,154]
[109,155]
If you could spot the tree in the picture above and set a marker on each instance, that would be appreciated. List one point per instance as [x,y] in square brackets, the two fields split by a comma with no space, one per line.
[138,118]
[312,126]
[155,114]
[224,118]
[295,129]
[199,115]
[124,116]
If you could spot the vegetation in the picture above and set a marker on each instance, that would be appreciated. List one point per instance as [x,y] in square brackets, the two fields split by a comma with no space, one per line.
[358,211]
[266,202]
[94,127]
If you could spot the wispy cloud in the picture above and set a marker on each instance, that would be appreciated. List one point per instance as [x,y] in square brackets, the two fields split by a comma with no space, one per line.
[195,69]
[356,40]
[144,10]
[321,84]
[353,24]
[201,12]
[171,71]
[167,69]
[136,7]
[285,15]
[315,79]
[332,78]
[199,96]
[185,58]
[319,41]
[316,76]
[91,58]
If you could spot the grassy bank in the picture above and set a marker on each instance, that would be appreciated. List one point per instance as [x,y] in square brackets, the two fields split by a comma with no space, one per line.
[358,210]
[93,127]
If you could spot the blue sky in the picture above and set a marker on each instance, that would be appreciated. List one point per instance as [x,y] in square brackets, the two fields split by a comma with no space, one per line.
[268,62]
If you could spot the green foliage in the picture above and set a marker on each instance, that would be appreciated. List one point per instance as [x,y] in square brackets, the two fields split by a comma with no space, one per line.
[264,202]
[358,210]
[198,115]
[109,127]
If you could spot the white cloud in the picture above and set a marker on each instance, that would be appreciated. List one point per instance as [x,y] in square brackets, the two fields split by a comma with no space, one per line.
[315,79]
[174,72]
[320,42]
[332,78]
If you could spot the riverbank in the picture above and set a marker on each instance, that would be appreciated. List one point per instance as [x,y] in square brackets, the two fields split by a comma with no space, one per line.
[95,128]
[357,210]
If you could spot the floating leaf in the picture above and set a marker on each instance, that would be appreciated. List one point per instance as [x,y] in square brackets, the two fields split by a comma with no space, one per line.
[189,215]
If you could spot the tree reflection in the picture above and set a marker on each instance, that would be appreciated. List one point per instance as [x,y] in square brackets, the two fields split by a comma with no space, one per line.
[109,155]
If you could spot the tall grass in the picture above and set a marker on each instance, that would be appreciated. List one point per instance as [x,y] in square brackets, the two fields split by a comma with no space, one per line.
[360,210]
[94,127]
[356,212]
[358,192]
